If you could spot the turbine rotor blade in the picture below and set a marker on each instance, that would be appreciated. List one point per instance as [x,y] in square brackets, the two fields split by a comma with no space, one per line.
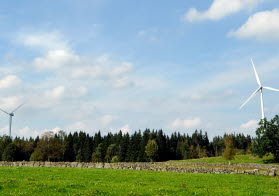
[254,93]
[256,74]
[18,107]
[270,88]
[5,111]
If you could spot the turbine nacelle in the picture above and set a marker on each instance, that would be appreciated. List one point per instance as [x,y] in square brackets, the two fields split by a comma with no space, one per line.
[259,89]
[11,116]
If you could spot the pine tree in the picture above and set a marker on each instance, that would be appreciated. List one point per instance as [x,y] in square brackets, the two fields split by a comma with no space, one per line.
[144,139]
[124,145]
[69,148]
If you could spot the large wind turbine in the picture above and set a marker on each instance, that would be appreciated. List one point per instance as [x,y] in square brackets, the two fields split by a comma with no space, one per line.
[259,89]
[11,117]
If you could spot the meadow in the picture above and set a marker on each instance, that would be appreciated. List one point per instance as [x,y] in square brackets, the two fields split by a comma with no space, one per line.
[248,158]
[87,181]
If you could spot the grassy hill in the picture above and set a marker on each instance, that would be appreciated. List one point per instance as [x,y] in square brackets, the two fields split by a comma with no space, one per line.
[238,159]
[85,181]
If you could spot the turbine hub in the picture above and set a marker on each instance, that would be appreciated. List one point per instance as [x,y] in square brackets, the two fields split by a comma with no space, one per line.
[12,114]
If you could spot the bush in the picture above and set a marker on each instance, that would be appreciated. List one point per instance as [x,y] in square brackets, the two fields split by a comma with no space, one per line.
[115,159]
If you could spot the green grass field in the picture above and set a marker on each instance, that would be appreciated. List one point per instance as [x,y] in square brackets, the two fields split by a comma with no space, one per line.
[85,181]
[238,159]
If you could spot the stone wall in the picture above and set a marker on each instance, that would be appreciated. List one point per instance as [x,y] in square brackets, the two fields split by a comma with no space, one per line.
[215,168]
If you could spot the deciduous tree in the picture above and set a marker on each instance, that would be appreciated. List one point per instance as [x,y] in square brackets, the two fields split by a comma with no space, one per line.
[151,150]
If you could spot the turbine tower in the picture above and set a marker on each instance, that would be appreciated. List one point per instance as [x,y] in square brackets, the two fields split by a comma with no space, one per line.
[11,117]
[259,89]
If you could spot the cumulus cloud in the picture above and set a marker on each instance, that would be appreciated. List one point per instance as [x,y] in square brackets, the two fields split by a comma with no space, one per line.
[77,126]
[250,125]
[150,34]
[219,9]
[107,119]
[26,132]
[186,123]
[262,26]
[104,69]
[125,129]
[211,96]
[122,69]
[4,130]
[55,59]
[52,40]
[10,103]
[122,82]
[80,91]
[55,93]
[9,81]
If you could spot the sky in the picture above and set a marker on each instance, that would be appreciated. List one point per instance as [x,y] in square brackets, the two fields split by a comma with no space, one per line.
[127,65]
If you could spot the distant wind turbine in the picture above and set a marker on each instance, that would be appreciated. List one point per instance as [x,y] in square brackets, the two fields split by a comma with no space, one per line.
[11,117]
[259,89]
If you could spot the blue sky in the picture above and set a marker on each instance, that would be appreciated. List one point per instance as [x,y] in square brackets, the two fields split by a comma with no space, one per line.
[109,65]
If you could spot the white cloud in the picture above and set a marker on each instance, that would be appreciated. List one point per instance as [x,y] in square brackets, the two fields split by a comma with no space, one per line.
[122,82]
[125,129]
[52,40]
[55,93]
[9,81]
[77,126]
[102,69]
[219,9]
[80,91]
[20,132]
[9,103]
[141,33]
[263,26]
[250,125]
[107,119]
[211,96]
[186,123]
[26,132]
[4,130]
[87,71]
[150,34]
[122,69]
[55,59]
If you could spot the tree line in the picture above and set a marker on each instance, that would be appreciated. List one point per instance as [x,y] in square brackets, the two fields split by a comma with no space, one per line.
[141,146]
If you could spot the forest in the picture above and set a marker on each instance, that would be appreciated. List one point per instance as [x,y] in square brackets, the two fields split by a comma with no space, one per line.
[118,147]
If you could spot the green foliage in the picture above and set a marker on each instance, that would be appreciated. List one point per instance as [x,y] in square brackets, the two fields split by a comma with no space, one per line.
[9,153]
[88,181]
[218,145]
[115,159]
[79,146]
[248,158]
[112,151]
[229,152]
[267,138]
[79,156]
[99,154]
[151,149]
[4,142]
